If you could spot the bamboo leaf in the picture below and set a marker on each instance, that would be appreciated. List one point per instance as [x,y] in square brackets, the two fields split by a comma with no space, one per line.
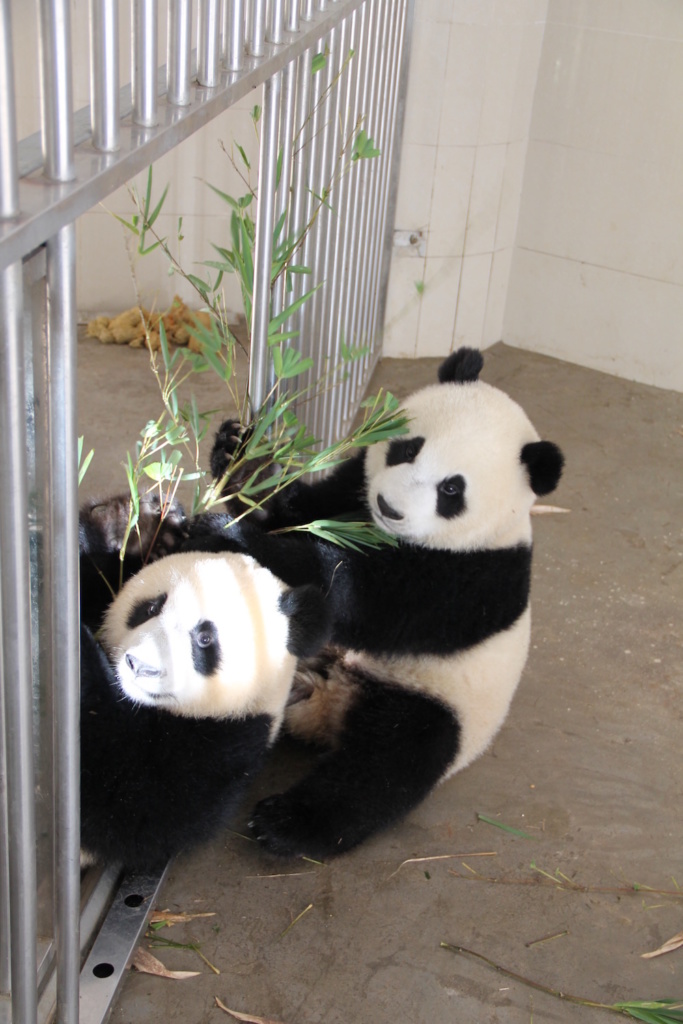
[277,321]
[506,828]
[83,468]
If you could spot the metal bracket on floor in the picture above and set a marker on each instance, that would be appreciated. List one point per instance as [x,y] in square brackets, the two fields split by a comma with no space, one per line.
[115,944]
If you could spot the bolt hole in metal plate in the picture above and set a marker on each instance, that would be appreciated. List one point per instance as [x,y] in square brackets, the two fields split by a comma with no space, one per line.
[115,944]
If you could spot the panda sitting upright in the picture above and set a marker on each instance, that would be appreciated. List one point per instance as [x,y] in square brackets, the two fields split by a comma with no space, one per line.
[185,692]
[430,636]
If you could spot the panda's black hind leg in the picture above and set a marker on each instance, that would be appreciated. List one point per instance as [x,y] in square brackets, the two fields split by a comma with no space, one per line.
[395,746]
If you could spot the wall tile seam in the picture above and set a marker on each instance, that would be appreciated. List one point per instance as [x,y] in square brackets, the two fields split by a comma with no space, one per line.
[598,266]
[655,37]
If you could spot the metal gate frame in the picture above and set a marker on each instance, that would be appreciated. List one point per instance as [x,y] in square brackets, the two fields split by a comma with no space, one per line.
[47,924]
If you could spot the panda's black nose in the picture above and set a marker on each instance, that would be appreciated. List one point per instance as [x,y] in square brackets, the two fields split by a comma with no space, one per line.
[387,511]
[140,668]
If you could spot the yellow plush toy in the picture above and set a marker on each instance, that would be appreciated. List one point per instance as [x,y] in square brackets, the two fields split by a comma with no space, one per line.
[139,328]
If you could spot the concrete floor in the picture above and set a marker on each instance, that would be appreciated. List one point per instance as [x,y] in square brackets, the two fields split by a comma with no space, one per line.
[588,764]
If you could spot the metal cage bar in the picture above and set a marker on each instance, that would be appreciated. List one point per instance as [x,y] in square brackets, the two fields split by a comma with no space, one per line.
[316,98]
[179,58]
[104,74]
[16,653]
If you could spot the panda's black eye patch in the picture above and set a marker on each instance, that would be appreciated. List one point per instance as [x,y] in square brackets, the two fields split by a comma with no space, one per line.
[450,496]
[143,611]
[404,450]
[206,649]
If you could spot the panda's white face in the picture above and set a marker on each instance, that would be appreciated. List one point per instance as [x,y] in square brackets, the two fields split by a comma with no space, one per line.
[202,635]
[456,481]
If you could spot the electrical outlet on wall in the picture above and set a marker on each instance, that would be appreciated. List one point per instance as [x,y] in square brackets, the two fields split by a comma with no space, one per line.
[410,243]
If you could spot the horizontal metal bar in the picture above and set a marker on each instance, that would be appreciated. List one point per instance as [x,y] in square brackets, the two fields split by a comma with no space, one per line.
[118,937]
[47,207]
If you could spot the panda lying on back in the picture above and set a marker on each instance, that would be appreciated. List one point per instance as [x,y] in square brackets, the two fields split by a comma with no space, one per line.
[185,693]
[430,637]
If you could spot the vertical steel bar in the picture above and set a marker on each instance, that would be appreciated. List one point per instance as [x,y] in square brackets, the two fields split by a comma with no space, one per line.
[5,939]
[383,41]
[284,194]
[9,173]
[16,653]
[307,11]
[208,43]
[311,156]
[292,16]
[178,60]
[300,142]
[387,145]
[276,30]
[297,218]
[320,336]
[56,89]
[63,533]
[257,28]
[338,46]
[374,42]
[104,74]
[144,62]
[403,57]
[355,246]
[236,36]
[263,253]
[341,256]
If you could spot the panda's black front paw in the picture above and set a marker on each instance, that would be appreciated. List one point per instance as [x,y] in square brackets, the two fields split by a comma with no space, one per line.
[213,531]
[227,441]
[289,827]
[104,526]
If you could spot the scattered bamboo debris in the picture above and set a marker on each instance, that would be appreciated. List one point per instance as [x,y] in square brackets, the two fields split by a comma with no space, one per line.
[146,963]
[166,919]
[548,510]
[248,1017]
[160,943]
[506,828]
[439,856]
[297,918]
[546,938]
[675,942]
[561,881]
[657,1011]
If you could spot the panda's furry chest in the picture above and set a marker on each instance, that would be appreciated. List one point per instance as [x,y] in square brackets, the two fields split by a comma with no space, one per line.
[420,601]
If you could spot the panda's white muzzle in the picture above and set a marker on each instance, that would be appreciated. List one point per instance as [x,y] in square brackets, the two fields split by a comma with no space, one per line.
[387,511]
[140,669]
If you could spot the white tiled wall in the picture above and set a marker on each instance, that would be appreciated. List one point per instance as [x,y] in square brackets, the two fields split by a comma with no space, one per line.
[542,162]
[597,272]
[472,79]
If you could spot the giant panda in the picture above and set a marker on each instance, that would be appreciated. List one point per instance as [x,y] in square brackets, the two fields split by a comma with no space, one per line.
[183,688]
[430,635]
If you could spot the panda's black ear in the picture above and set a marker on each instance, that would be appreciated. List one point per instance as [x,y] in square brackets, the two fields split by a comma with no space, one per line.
[310,621]
[461,367]
[544,461]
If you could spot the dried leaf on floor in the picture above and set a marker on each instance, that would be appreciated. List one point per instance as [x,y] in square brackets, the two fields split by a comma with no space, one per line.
[146,963]
[248,1017]
[675,942]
